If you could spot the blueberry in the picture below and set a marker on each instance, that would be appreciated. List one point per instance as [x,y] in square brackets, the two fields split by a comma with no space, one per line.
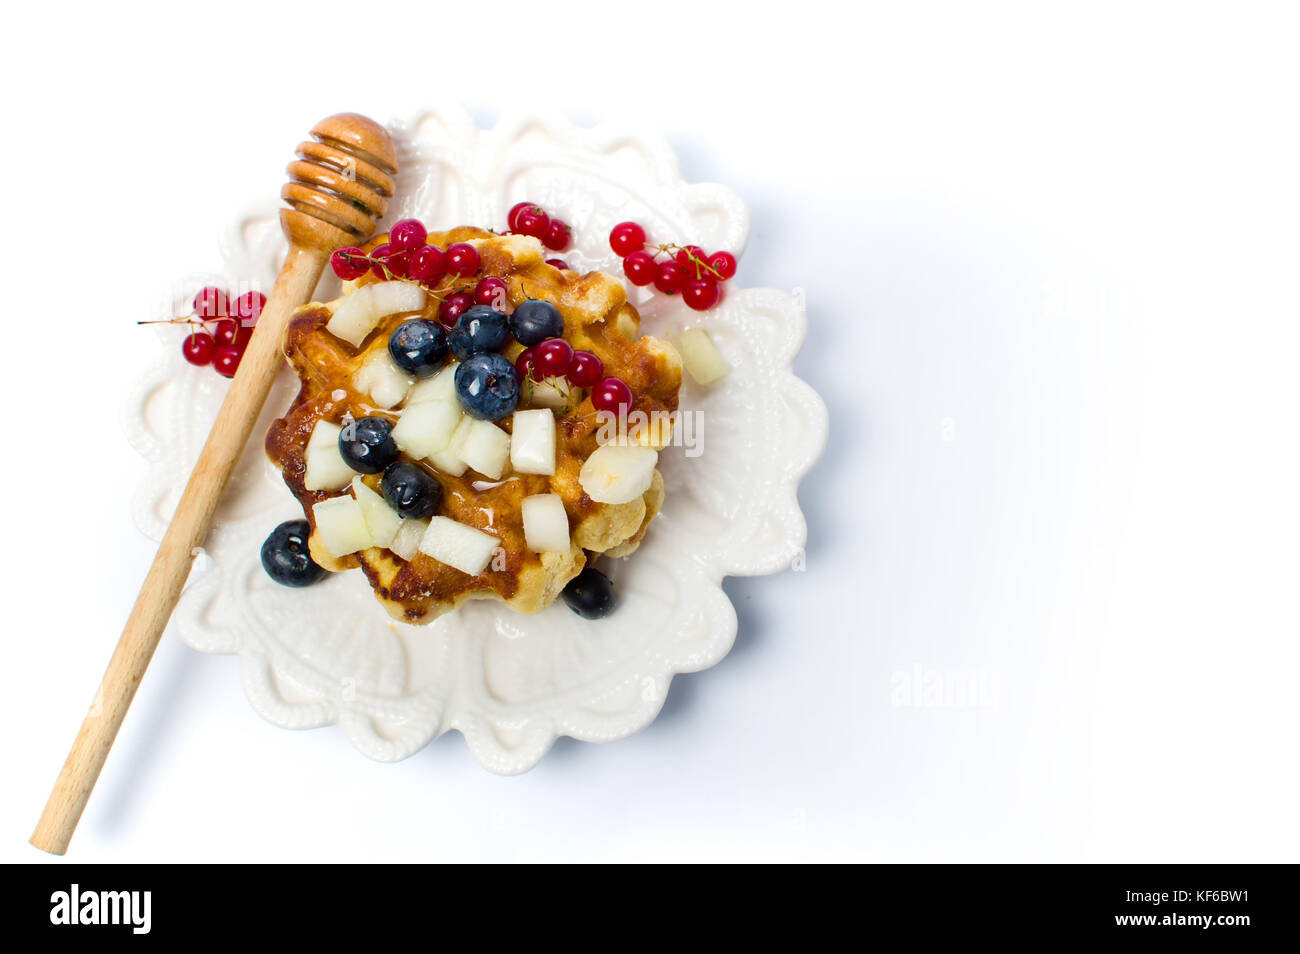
[479,329]
[534,321]
[285,556]
[367,444]
[411,490]
[590,594]
[487,386]
[419,346]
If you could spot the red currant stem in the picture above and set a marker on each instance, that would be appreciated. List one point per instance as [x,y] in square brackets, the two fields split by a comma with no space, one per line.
[436,292]
[440,294]
[668,248]
[373,259]
[182,320]
[356,259]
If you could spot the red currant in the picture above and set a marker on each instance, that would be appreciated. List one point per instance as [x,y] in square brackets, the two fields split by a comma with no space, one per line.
[349,263]
[612,395]
[210,302]
[451,309]
[225,332]
[407,235]
[524,363]
[724,263]
[585,369]
[532,221]
[226,361]
[640,268]
[428,264]
[512,219]
[559,263]
[556,237]
[248,307]
[399,263]
[670,278]
[490,291]
[462,259]
[700,293]
[552,357]
[690,259]
[626,238]
[198,348]
[396,262]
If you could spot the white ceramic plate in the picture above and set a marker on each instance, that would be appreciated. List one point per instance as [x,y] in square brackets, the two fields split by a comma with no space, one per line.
[511,684]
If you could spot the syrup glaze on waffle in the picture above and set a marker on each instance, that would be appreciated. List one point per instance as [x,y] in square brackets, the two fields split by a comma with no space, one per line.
[598,318]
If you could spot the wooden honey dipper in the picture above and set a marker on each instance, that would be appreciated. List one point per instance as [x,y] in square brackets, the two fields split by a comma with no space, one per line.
[339,186]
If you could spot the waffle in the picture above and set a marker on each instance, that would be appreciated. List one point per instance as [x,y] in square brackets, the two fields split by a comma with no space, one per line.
[598,318]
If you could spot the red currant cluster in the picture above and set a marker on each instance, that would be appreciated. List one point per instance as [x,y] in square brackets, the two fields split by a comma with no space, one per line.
[686,270]
[222,328]
[406,254]
[488,291]
[555,358]
[529,218]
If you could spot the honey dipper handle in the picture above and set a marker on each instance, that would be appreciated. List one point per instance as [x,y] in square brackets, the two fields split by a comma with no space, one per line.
[162,587]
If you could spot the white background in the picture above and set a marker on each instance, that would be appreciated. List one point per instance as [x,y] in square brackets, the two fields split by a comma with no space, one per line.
[1050,254]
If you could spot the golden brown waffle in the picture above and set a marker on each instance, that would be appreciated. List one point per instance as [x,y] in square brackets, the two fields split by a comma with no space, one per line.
[597,318]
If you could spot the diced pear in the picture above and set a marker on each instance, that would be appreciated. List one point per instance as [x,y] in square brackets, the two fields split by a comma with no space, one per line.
[532,442]
[406,544]
[546,525]
[618,473]
[326,468]
[701,357]
[382,520]
[486,449]
[545,394]
[440,387]
[368,305]
[426,428]
[394,298]
[457,545]
[449,459]
[354,318]
[382,380]
[341,526]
